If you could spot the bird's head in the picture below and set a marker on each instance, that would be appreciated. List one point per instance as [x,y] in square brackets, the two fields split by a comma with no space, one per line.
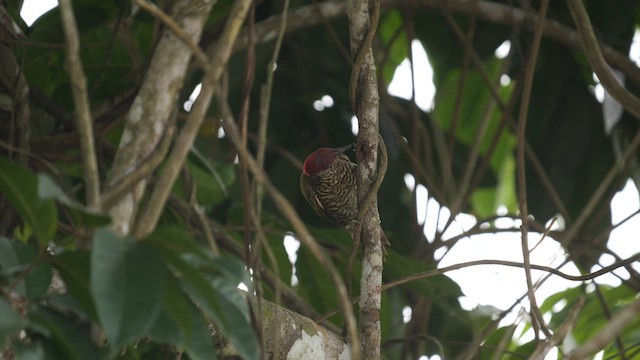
[322,159]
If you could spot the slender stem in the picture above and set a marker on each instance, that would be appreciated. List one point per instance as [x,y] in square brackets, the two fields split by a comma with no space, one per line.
[537,320]
[265,103]
[436,272]
[591,47]
[81,101]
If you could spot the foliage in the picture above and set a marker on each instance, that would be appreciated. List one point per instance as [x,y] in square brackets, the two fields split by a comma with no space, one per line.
[72,288]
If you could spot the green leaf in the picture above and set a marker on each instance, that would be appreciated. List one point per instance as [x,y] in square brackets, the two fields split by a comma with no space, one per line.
[219,299]
[10,320]
[70,340]
[81,215]
[394,38]
[127,286]
[33,275]
[498,336]
[176,240]
[315,282]
[75,267]
[48,189]
[211,181]
[181,324]
[220,172]
[523,351]
[19,186]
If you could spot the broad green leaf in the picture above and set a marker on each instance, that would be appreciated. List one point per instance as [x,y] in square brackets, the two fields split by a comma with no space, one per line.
[23,264]
[233,271]
[75,269]
[70,339]
[127,286]
[176,240]
[315,283]
[220,300]
[180,323]
[211,181]
[19,186]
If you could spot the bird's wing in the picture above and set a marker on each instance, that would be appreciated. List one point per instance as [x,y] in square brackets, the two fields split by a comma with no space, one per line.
[312,199]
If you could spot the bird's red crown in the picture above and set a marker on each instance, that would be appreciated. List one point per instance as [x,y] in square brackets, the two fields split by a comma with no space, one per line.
[319,160]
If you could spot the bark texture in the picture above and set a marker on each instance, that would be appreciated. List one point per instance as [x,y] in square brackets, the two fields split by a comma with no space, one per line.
[367,110]
[150,113]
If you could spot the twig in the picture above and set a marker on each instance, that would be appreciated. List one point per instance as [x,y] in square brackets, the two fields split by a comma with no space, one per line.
[265,103]
[465,185]
[108,50]
[545,234]
[251,251]
[606,311]
[302,232]
[187,136]
[200,56]
[608,333]
[591,47]
[467,41]
[600,191]
[81,101]
[560,334]
[537,320]
[206,229]
[435,272]
[430,273]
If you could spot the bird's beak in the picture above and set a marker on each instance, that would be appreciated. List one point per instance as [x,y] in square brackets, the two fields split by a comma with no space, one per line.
[341,150]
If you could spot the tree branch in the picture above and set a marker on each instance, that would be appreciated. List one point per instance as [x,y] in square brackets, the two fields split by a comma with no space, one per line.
[446,269]
[81,101]
[199,55]
[149,115]
[430,273]
[120,188]
[306,16]
[591,48]
[187,135]
[363,89]
[536,317]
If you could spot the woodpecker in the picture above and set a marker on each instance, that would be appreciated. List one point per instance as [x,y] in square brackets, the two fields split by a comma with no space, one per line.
[328,182]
